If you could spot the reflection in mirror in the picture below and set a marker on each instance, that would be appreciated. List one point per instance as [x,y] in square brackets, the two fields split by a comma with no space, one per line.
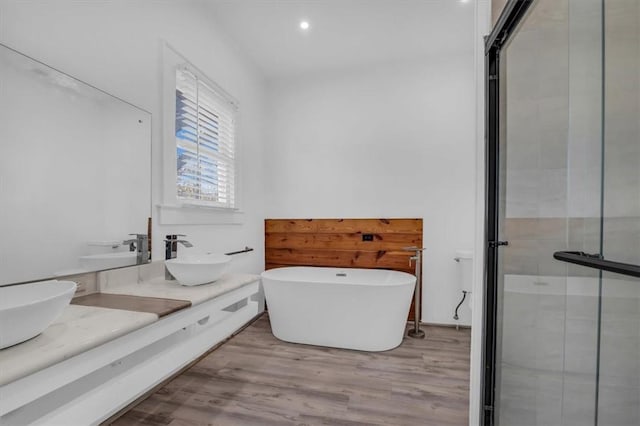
[75,173]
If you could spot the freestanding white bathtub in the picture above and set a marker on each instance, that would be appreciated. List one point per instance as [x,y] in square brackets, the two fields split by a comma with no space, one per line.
[363,309]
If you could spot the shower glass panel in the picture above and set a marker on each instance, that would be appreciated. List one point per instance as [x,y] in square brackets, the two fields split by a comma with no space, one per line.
[567,173]
[619,373]
[550,179]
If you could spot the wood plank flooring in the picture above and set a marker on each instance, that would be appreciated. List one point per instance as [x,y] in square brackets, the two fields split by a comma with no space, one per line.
[256,379]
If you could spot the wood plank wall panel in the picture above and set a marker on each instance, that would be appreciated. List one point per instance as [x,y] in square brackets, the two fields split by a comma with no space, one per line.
[338,243]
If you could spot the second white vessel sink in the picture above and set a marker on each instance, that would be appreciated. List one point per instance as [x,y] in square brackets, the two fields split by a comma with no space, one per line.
[26,310]
[198,269]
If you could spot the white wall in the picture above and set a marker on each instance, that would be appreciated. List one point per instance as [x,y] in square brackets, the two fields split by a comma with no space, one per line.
[115,46]
[395,140]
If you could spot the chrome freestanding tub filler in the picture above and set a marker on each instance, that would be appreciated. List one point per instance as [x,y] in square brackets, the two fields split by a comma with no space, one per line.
[362,309]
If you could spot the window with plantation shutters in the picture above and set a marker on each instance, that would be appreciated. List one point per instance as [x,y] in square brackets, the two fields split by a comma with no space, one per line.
[205,143]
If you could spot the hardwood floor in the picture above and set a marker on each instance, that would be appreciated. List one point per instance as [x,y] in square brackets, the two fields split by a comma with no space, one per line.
[256,379]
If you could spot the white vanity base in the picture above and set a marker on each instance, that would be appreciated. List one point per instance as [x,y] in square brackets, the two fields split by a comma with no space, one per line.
[93,386]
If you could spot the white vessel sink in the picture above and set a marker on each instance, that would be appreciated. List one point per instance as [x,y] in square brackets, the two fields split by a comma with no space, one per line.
[98,262]
[198,269]
[27,309]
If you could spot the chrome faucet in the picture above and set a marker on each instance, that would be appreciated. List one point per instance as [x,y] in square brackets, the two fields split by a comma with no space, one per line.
[171,250]
[131,243]
[141,244]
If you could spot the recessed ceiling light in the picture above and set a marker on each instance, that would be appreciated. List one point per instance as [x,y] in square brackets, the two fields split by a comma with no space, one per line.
[304,25]
[464,1]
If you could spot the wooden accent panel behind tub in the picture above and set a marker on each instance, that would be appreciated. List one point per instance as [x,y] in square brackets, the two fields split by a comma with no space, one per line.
[339,243]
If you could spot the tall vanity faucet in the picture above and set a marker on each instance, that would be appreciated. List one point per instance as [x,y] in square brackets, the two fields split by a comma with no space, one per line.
[171,250]
[141,244]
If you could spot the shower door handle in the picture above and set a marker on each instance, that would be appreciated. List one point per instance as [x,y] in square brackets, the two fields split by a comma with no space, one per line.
[494,244]
[596,261]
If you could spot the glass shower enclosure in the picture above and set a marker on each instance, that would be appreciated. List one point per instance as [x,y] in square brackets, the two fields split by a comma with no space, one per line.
[562,302]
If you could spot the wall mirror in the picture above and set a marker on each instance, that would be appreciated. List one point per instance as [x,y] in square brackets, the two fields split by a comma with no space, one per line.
[75,173]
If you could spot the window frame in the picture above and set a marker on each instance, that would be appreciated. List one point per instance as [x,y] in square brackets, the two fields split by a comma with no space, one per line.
[173,210]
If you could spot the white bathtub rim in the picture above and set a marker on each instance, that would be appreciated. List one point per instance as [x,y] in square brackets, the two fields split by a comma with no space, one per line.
[327,276]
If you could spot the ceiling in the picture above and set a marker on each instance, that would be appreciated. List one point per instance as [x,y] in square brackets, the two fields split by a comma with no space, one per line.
[344,33]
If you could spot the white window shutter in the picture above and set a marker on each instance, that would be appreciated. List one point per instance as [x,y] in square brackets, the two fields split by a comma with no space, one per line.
[205,143]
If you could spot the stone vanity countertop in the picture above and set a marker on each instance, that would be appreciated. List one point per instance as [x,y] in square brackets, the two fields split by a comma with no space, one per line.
[79,329]
[159,287]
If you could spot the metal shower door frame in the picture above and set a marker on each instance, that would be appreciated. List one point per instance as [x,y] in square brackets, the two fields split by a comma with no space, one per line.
[506,25]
